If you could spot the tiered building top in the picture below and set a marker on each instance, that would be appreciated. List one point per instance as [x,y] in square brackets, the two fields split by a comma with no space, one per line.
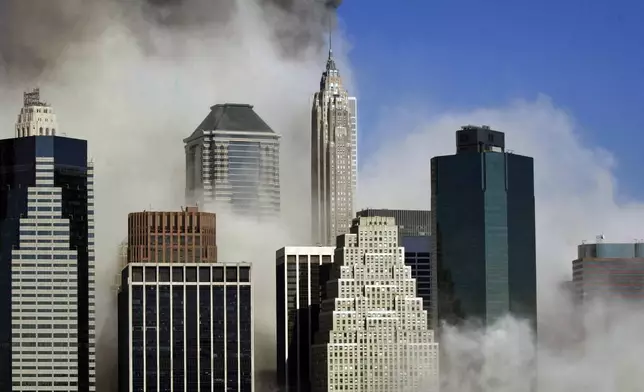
[373,333]
[36,117]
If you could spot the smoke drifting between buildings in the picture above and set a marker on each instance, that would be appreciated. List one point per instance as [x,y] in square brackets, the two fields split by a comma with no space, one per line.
[136,77]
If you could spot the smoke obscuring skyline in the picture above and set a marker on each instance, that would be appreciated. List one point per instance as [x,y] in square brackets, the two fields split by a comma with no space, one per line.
[136,77]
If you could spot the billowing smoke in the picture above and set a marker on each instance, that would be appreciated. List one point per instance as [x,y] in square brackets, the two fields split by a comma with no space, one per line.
[34,37]
[136,77]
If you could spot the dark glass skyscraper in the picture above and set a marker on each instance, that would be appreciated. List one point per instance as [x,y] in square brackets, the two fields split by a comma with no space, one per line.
[186,327]
[483,230]
[417,256]
[47,328]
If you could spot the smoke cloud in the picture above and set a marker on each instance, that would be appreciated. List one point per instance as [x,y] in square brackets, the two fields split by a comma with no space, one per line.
[135,77]
[595,350]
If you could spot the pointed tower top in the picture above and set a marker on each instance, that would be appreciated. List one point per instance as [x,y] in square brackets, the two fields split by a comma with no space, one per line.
[330,62]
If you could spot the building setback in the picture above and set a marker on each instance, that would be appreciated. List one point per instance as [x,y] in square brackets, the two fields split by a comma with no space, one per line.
[232,160]
[47,281]
[414,227]
[300,272]
[411,223]
[186,327]
[373,333]
[483,230]
[609,270]
[334,157]
[186,236]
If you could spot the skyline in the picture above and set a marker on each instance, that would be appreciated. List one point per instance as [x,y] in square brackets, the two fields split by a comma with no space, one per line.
[124,100]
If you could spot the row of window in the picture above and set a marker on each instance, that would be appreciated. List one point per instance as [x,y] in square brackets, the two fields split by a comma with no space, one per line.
[190,274]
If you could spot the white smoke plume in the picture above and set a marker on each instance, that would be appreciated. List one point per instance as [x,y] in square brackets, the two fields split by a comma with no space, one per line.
[576,199]
[136,77]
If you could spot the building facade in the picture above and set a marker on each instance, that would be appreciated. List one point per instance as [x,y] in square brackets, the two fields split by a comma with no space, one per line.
[483,230]
[186,327]
[334,157]
[186,236]
[232,160]
[300,272]
[47,265]
[411,223]
[418,257]
[609,270]
[373,333]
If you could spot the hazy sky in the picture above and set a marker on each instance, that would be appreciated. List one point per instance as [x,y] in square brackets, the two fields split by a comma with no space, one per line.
[588,56]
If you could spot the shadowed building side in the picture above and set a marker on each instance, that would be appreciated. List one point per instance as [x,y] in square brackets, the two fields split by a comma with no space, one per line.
[301,272]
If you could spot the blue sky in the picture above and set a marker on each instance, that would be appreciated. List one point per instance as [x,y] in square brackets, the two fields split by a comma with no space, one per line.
[588,56]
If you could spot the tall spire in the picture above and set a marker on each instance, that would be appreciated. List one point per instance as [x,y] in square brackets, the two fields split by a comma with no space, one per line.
[330,62]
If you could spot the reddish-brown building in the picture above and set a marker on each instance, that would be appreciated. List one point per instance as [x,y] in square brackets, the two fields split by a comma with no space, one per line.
[186,236]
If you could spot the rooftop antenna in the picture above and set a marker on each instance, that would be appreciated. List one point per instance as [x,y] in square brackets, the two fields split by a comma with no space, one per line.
[329,21]
[600,238]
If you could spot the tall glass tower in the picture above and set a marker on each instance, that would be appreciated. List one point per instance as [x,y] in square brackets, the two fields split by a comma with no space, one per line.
[483,230]
[232,158]
[47,276]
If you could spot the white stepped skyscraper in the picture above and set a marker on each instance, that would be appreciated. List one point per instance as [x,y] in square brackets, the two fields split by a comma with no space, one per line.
[373,333]
[334,157]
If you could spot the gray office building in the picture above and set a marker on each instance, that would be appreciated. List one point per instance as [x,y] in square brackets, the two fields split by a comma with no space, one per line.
[411,223]
[186,327]
[232,159]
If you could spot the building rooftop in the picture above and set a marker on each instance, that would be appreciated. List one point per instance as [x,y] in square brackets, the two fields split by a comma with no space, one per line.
[234,117]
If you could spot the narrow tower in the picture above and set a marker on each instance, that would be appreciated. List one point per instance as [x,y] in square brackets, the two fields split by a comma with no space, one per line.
[334,160]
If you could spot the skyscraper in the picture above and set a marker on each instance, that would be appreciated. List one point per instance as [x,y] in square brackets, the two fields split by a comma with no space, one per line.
[300,272]
[373,333]
[185,321]
[186,327]
[483,230]
[233,158]
[47,281]
[334,157]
